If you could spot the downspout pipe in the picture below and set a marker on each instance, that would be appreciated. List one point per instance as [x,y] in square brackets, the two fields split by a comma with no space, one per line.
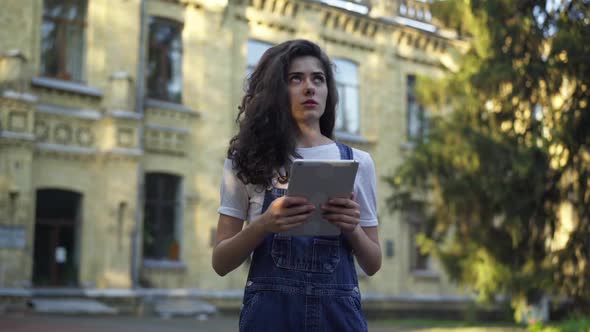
[136,242]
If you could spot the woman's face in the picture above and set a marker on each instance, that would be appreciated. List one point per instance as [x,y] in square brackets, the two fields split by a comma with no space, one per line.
[308,90]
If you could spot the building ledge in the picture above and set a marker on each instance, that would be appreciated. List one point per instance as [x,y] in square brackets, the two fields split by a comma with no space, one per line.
[169,106]
[125,152]
[17,135]
[66,148]
[168,129]
[353,138]
[74,87]
[154,264]
[26,97]
[119,114]
[67,111]
[427,275]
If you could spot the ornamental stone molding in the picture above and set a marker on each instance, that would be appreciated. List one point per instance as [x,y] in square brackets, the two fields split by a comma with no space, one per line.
[84,137]
[41,130]
[62,133]
[126,137]
[164,140]
[17,121]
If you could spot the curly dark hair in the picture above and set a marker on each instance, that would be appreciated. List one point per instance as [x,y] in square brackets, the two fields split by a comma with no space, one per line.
[265,141]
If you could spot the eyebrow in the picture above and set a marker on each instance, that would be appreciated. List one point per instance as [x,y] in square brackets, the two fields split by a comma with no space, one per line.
[301,73]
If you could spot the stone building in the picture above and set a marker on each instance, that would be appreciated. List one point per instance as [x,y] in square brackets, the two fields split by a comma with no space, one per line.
[115,117]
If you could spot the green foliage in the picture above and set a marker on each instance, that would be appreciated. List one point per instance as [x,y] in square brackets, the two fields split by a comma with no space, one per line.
[513,152]
[572,325]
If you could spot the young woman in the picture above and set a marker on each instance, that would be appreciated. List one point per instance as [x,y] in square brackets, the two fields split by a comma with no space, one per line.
[294,283]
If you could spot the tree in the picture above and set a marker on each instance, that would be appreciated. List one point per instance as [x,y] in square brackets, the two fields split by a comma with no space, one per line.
[506,171]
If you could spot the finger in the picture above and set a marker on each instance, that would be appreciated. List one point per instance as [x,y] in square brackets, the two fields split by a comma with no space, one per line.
[341,218]
[354,212]
[349,205]
[294,219]
[342,202]
[296,210]
[294,200]
[352,196]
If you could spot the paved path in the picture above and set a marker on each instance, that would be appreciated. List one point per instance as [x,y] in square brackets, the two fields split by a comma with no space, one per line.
[30,322]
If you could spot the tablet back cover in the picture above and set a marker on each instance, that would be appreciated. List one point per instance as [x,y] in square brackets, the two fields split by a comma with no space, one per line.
[319,180]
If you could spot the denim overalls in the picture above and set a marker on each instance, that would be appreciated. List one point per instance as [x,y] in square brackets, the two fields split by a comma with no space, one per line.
[302,283]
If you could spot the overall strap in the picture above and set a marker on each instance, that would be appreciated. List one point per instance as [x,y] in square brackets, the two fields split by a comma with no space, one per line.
[345,151]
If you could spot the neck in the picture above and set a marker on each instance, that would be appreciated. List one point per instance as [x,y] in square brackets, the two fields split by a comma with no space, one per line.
[311,136]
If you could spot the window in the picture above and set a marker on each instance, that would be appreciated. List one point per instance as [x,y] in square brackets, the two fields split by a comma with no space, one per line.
[389,248]
[347,111]
[162,217]
[418,260]
[254,53]
[164,66]
[62,39]
[416,221]
[415,120]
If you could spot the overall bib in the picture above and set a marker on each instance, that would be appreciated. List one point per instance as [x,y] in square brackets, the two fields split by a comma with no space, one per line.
[302,283]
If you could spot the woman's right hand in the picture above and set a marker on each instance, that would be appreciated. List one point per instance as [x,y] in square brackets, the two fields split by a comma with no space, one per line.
[285,213]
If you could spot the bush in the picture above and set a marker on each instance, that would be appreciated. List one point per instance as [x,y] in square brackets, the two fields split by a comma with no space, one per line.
[571,325]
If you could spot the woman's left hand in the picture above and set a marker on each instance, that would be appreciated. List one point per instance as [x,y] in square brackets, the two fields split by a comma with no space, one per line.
[342,212]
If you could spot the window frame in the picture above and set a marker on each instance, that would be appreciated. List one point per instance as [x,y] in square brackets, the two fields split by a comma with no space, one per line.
[342,109]
[411,105]
[61,25]
[416,219]
[159,202]
[418,260]
[158,90]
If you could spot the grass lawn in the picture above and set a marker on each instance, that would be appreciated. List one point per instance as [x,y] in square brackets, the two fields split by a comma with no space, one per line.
[423,325]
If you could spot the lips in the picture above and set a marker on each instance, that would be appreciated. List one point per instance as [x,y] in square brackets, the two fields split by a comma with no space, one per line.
[310,102]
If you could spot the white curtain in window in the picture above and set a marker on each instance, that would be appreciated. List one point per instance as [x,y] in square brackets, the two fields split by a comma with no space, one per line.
[75,52]
[175,56]
[347,117]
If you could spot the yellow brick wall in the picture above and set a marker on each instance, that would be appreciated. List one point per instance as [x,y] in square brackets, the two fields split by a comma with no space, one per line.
[215,36]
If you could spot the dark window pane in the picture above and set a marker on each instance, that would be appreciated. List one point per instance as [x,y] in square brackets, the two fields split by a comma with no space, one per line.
[389,248]
[76,9]
[167,220]
[55,8]
[151,186]
[170,188]
[49,48]
[160,216]
[66,9]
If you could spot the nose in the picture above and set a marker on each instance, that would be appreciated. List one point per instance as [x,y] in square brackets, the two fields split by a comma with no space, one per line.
[309,88]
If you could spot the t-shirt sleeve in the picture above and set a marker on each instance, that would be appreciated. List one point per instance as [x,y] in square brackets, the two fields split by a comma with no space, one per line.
[365,190]
[234,196]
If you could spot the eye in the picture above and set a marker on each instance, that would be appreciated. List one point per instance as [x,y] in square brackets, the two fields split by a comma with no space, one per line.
[319,79]
[295,79]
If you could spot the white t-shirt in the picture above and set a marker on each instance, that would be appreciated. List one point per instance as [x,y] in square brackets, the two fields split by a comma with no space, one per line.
[245,201]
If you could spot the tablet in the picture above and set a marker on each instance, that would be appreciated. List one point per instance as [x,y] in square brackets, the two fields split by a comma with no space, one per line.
[319,180]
